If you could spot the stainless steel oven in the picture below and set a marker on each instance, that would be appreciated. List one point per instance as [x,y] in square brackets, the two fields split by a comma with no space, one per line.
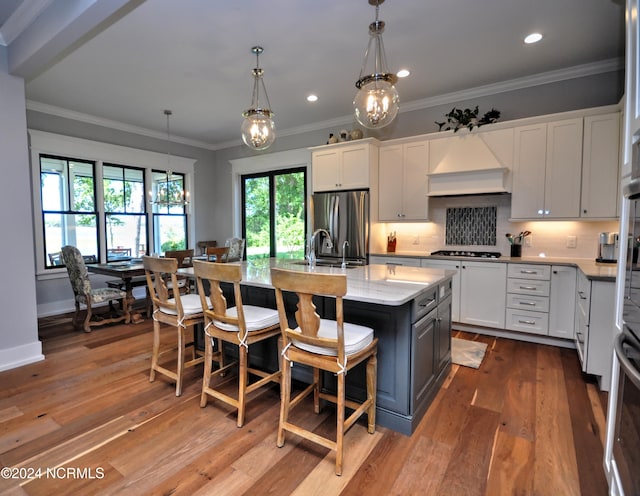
[626,442]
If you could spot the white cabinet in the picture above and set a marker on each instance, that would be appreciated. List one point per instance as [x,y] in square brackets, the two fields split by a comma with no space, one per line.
[547,170]
[455,281]
[402,180]
[562,302]
[595,327]
[344,165]
[528,288]
[567,169]
[482,293]
[600,166]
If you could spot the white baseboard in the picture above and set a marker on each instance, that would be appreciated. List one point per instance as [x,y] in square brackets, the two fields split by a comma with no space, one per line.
[21,355]
[520,336]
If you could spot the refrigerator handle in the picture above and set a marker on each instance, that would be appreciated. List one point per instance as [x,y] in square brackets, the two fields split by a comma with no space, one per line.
[333,217]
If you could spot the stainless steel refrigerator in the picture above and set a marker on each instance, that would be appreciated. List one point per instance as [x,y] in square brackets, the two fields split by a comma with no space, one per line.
[345,216]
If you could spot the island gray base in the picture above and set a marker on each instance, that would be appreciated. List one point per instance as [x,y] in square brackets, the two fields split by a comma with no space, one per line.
[413,360]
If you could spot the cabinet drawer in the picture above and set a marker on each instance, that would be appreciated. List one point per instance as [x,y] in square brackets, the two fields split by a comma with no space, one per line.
[529,271]
[528,287]
[526,321]
[525,302]
[393,260]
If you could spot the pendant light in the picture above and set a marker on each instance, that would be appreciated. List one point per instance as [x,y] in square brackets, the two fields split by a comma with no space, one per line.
[169,191]
[376,102]
[258,129]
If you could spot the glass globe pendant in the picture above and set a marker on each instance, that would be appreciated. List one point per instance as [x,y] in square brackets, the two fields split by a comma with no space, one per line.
[376,102]
[258,129]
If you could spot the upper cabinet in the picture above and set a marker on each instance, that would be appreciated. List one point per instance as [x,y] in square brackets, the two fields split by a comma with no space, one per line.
[566,169]
[402,180]
[343,166]
[600,159]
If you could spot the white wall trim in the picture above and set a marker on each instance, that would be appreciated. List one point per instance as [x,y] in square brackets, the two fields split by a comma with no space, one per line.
[21,355]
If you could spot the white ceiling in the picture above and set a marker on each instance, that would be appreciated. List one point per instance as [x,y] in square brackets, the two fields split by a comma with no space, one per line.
[193,56]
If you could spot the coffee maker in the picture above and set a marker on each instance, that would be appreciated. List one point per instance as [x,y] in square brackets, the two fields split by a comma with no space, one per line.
[608,247]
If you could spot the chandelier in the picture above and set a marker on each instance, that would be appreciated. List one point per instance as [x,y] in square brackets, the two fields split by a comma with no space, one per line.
[376,102]
[170,188]
[258,130]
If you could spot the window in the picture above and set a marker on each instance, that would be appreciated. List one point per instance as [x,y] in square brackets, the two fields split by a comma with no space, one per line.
[125,212]
[169,211]
[97,196]
[69,215]
[274,213]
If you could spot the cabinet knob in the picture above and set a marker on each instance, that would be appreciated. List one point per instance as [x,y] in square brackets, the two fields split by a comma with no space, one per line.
[584,211]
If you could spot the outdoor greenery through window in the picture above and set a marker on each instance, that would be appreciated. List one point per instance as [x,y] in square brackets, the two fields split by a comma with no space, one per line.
[169,212]
[69,212]
[274,213]
[74,213]
[125,212]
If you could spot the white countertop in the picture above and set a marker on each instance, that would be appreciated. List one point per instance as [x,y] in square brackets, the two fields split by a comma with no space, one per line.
[593,270]
[381,284]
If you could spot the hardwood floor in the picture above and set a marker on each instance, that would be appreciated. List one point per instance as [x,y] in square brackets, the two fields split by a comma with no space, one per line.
[526,422]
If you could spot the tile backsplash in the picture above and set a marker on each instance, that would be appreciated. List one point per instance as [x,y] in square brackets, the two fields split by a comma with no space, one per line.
[548,237]
[471,226]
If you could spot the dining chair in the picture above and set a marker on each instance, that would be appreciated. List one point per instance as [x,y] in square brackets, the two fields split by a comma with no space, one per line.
[55,258]
[240,325]
[236,249]
[334,346]
[185,259]
[171,308]
[217,253]
[202,246]
[85,295]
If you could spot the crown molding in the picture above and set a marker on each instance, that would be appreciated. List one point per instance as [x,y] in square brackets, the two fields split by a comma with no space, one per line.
[111,124]
[578,71]
[609,65]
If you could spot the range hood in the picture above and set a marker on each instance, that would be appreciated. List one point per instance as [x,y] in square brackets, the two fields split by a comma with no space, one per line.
[471,163]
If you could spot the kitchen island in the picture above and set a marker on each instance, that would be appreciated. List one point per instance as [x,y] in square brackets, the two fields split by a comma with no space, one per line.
[409,309]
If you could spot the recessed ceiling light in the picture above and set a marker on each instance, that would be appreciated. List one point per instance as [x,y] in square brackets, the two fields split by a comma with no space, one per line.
[402,73]
[312,98]
[533,38]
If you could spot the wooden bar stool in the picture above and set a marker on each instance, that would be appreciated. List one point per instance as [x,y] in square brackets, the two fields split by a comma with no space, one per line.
[333,346]
[242,325]
[180,311]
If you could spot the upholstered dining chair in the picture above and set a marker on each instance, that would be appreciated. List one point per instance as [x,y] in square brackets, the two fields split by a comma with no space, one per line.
[217,253]
[324,345]
[240,325]
[171,308]
[85,295]
[236,249]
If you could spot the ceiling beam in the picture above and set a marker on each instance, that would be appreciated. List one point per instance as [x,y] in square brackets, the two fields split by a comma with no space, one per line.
[59,28]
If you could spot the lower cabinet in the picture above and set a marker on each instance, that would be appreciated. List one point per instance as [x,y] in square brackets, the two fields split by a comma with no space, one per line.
[562,302]
[474,289]
[482,290]
[595,327]
[528,288]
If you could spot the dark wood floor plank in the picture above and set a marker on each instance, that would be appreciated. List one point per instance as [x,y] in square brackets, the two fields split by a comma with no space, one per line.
[586,434]
[469,464]
[555,471]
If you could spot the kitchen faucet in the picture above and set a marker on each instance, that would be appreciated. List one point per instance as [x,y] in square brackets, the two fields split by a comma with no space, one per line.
[344,252]
[312,245]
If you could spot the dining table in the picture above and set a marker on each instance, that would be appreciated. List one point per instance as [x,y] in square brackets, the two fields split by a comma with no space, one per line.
[127,271]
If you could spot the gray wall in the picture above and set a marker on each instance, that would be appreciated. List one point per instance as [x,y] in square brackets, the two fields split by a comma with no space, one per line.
[19,327]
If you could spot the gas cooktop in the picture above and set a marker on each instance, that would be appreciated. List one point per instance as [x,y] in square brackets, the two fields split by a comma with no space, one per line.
[467,253]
